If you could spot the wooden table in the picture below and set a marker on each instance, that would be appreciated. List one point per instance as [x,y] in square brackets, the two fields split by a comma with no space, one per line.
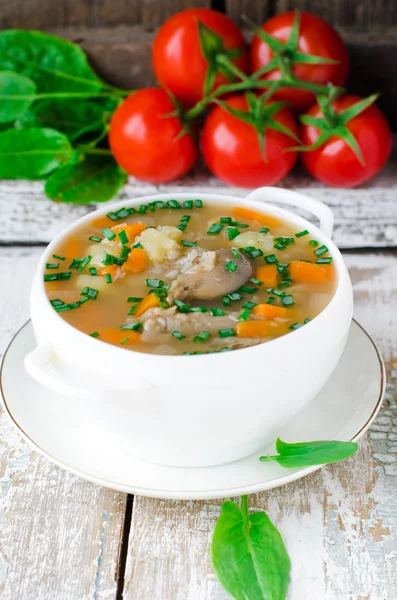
[62,538]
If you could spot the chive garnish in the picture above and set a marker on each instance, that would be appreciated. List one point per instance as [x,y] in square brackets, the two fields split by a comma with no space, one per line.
[275,292]
[296,326]
[237,224]
[134,299]
[94,238]
[108,278]
[93,271]
[132,326]
[90,293]
[65,275]
[173,204]
[112,216]
[284,284]
[279,246]
[188,204]
[123,237]
[232,232]
[58,257]
[264,230]
[235,253]
[252,251]
[225,220]
[56,302]
[143,209]
[188,244]
[94,334]
[217,312]
[287,300]
[164,304]
[270,259]
[247,289]
[281,267]
[215,229]
[255,281]
[132,310]
[154,283]
[137,245]
[52,266]
[306,321]
[250,305]
[321,250]
[235,296]
[202,336]
[184,221]
[76,262]
[313,243]
[181,305]
[108,233]
[122,213]
[198,203]
[108,259]
[270,300]
[301,233]
[226,301]
[124,341]
[177,334]
[244,315]
[223,333]
[85,263]
[324,261]
[231,266]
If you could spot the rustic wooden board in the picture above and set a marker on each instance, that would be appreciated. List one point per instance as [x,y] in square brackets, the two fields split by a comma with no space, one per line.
[339,524]
[59,535]
[365,217]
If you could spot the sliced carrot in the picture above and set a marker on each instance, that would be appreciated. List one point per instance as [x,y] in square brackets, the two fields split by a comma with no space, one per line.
[116,336]
[149,301]
[101,222]
[131,229]
[271,312]
[136,261]
[110,270]
[267,274]
[249,329]
[305,272]
[246,213]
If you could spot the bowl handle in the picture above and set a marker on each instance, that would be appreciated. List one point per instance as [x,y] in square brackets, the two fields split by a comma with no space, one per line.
[41,366]
[281,196]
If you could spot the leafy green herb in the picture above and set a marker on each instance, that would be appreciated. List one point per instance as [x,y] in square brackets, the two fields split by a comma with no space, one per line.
[308,454]
[16,94]
[248,554]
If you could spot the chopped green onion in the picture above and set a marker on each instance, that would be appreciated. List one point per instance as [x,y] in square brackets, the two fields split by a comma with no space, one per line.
[132,310]
[286,241]
[123,237]
[324,261]
[198,203]
[237,224]
[275,292]
[94,334]
[188,204]
[134,299]
[58,257]
[226,301]
[108,259]
[51,277]
[217,312]
[321,250]
[231,266]
[284,284]
[108,233]
[184,221]
[108,278]
[296,326]
[255,281]
[198,309]
[270,259]
[122,213]
[154,283]
[132,326]
[202,336]
[313,243]
[85,263]
[56,302]
[93,271]
[281,267]
[164,304]
[137,245]
[52,265]
[279,246]
[270,300]
[152,206]
[287,300]
[112,216]
[301,233]
[188,244]
[124,341]
[235,296]
[225,220]
[247,289]
[252,251]
[143,209]
[306,321]
[181,305]
[244,315]
[264,230]
[235,253]
[215,229]
[90,292]
[250,305]
[94,238]
[65,275]
[232,232]
[76,262]
[177,334]
[223,333]
[173,204]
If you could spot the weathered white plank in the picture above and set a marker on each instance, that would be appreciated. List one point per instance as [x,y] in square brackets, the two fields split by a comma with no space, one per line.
[364,217]
[59,535]
[339,525]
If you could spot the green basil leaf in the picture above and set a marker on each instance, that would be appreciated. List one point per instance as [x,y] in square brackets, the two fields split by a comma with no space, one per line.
[249,556]
[16,94]
[33,153]
[74,119]
[54,64]
[96,179]
[308,454]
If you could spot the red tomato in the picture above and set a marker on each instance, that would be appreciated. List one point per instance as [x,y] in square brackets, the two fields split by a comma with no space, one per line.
[335,163]
[147,144]
[178,61]
[231,147]
[316,37]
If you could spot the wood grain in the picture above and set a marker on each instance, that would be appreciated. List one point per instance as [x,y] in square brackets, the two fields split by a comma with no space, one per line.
[59,535]
[339,524]
[364,217]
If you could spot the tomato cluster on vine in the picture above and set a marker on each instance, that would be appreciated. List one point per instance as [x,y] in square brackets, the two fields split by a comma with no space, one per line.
[250,110]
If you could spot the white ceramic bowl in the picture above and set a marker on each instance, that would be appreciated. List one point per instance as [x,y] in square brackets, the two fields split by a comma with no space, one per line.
[198,410]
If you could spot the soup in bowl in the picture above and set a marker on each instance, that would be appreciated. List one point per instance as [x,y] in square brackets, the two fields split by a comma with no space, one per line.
[173,316]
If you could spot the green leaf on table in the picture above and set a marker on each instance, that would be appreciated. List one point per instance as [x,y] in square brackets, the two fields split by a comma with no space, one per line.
[33,153]
[96,179]
[248,555]
[309,454]
[17,92]
[74,119]
[54,64]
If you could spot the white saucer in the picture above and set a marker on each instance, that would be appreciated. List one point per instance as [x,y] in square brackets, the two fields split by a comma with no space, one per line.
[343,410]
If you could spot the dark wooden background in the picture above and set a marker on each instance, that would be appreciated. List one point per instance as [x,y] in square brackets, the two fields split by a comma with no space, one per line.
[117,34]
